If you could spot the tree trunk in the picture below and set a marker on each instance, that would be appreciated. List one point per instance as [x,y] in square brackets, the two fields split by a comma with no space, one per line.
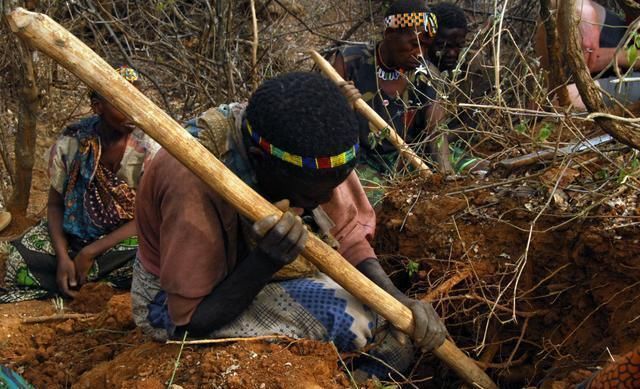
[590,93]
[25,141]
[557,74]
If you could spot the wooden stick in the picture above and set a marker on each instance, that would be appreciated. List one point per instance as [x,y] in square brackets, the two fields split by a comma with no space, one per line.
[230,340]
[254,45]
[545,155]
[66,49]
[378,122]
[56,317]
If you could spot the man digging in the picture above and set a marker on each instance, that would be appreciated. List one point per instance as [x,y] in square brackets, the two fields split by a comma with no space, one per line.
[205,271]
[394,78]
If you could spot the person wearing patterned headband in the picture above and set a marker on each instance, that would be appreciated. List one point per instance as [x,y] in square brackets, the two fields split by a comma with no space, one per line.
[204,270]
[89,234]
[394,77]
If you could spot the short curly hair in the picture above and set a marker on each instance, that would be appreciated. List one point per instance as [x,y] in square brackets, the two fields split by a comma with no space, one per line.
[449,16]
[407,6]
[304,114]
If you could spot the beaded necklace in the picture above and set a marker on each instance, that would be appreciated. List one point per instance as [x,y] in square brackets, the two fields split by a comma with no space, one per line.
[387,75]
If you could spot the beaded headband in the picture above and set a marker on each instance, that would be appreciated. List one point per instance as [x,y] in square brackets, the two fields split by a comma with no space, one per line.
[413,19]
[304,162]
[129,74]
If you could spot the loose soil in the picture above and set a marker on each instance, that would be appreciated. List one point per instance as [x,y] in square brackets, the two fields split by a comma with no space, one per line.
[106,351]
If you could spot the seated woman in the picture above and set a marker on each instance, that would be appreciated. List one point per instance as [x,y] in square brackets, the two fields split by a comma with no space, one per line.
[94,167]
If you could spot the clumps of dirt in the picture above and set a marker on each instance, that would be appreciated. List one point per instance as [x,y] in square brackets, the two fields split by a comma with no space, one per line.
[55,353]
[422,224]
[92,298]
[117,313]
[107,351]
[302,364]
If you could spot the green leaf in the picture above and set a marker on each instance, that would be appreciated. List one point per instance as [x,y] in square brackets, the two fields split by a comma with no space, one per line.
[545,132]
[373,140]
[602,174]
[521,128]
[412,268]
[632,54]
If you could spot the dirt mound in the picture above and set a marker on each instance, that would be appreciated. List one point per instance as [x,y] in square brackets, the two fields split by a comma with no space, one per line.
[92,298]
[106,351]
[303,364]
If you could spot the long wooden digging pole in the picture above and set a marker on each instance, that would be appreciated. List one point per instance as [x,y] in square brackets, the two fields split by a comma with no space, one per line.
[52,39]
[378,122]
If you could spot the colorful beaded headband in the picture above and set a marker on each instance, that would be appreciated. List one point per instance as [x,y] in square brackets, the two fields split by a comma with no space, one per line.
[413,19]
[305,162]
[129,74]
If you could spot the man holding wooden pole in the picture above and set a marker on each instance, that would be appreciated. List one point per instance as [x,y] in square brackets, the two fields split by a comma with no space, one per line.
[395,78]
[205,271]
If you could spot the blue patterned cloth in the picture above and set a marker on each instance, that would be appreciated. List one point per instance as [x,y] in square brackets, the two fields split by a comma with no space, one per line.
[76,222]
[327,308]
[312,308]
[96,201]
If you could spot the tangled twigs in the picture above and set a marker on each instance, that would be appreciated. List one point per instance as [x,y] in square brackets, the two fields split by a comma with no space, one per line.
[493,305]
[504,365]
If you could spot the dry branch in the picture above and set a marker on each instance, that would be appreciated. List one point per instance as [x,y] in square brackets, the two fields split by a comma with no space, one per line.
[545,155]
[56,317]
[53,40]
[557,75]
[232,340]
[254,46]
